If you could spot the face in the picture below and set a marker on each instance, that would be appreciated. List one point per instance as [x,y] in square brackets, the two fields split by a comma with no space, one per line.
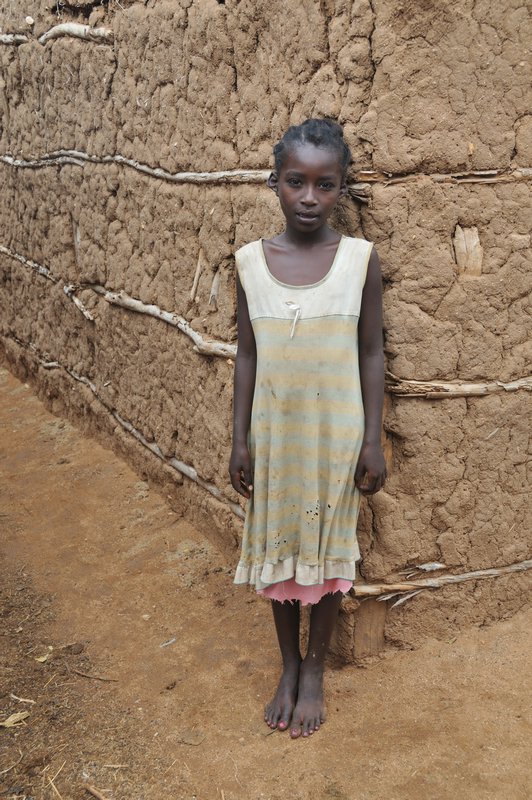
[308,185]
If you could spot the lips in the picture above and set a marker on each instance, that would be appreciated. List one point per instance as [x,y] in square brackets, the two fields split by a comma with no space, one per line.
[306,216]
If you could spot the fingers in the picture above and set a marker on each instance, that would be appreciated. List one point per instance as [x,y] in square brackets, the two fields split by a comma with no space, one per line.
[359,473]
[371,483]
[241,482]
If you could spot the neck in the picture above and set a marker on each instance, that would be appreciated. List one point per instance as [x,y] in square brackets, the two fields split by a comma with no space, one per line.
[311,238]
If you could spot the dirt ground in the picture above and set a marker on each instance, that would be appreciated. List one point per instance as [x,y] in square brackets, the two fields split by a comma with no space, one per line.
[147,669]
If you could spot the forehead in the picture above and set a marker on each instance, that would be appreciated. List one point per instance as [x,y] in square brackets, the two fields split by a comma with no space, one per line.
[312,160]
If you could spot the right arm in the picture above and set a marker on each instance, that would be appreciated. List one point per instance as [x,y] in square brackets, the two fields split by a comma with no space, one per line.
[244,386]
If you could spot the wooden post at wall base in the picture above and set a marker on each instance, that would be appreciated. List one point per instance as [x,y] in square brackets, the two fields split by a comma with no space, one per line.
[369,619]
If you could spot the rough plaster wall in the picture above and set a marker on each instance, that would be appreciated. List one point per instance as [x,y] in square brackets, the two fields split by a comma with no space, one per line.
[424,90]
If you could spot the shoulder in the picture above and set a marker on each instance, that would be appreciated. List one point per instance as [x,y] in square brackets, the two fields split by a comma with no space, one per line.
[247,258]
[358,243]
[358,249]
[247,249]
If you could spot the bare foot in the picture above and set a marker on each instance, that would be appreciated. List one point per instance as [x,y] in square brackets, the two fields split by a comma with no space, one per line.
[309,712]
[278,712]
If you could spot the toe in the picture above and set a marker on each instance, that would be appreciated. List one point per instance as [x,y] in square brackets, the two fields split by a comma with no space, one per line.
[284,720]
[270,717]
[295,729]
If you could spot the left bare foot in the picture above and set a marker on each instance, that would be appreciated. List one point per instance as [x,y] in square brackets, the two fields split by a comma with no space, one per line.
[309,712]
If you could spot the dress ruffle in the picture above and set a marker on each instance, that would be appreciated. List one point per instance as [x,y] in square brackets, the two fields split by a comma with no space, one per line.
[263,575]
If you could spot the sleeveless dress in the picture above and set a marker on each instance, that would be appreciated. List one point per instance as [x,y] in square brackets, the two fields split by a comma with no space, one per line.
[307,426]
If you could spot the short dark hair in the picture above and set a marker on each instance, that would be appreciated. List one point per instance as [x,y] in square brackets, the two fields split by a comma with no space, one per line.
[319,132]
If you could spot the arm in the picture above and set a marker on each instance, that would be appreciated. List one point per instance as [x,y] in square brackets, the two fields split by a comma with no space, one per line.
[244,386]
[371,468]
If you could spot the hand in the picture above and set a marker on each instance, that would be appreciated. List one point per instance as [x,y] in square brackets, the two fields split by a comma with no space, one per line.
[240,470]
[370,473]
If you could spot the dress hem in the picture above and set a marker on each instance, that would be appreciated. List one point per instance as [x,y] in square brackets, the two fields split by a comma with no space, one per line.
[266,574]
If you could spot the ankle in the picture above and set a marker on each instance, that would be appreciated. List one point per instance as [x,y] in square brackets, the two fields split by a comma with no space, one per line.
[313,665]
[292,663]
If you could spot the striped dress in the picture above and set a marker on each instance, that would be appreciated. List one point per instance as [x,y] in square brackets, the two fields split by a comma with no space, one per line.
[307,422]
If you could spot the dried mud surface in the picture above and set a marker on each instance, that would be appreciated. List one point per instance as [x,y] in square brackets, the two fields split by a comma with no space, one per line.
[98,568]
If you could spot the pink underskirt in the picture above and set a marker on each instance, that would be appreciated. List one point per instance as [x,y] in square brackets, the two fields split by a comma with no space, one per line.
[307,595]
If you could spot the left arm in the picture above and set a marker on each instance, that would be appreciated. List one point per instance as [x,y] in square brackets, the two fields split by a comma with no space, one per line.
[371,468]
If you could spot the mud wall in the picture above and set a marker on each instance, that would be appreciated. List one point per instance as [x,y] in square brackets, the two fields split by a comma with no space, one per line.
[132,159]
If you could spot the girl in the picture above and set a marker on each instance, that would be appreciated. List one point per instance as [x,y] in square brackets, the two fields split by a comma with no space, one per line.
[309,383]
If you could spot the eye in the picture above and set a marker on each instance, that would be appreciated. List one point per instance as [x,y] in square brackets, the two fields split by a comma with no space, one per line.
[293,181]
[327,186]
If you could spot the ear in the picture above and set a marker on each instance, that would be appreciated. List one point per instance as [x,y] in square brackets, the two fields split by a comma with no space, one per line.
[273,181]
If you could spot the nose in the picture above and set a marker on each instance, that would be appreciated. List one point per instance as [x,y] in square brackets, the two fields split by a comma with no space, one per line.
[309,198]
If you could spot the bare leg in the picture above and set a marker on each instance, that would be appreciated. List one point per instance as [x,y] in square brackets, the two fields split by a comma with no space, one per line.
[279,711]
[309,712]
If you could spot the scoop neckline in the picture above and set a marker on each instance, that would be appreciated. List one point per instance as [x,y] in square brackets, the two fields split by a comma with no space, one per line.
[302,285]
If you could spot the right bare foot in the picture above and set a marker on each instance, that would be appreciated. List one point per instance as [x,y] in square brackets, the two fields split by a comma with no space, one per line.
[278,712]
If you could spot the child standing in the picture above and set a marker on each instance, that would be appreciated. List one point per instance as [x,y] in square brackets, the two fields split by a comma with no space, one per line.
[309,383]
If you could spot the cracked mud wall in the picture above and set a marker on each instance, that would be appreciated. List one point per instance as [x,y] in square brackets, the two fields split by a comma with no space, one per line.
[436,101]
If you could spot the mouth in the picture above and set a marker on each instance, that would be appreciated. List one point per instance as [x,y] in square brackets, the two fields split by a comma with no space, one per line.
[307,216]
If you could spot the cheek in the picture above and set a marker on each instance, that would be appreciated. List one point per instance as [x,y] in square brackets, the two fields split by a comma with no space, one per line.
[330,201]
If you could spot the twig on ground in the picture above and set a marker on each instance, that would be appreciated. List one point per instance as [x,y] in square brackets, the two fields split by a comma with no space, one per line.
[51,781]
[4,771]
[15,720]
[93,677]
[21,699]
[49,680]
[92,790]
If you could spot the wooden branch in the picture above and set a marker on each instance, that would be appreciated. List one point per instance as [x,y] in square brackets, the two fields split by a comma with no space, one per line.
[13,38]
[184,469]
[191,473]
[359,188]
[78,157]
[438,390]
[78,31]
[206,347]
[69,291]
[387,590]
[215,288]
[202,263]
[474,176]
[39,268]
